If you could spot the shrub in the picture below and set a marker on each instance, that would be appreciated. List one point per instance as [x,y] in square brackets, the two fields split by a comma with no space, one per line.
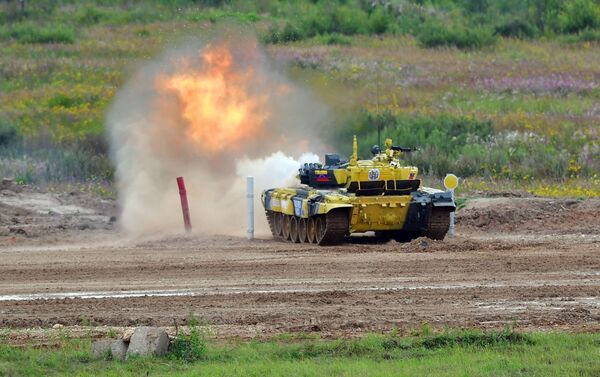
[136,15]
[333,39]
[143,32]
[190,347]
[475,339]
[435,34]
[587,35]
[315,22]
[411,19]
[273,35]
[330,18]
[515,28]
[91,15]
[379,21]
[13,13]
[471,161]
[289,33]
[348,21]
[77,165]
[8,133]
[62,100]
[30,33]
[578,15]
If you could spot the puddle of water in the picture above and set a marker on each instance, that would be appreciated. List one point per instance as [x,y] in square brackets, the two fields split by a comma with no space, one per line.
[555,303]
[245,290]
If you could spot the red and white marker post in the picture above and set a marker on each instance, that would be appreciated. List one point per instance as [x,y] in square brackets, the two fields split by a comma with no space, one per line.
[184,205]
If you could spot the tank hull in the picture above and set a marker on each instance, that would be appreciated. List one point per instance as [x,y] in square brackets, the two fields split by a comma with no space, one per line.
[294,212]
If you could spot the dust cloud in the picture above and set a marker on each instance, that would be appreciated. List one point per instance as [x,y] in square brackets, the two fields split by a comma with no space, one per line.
[213,112]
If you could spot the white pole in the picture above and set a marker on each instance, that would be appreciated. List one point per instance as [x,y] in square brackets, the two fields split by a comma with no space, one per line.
[451,230]
[250,198]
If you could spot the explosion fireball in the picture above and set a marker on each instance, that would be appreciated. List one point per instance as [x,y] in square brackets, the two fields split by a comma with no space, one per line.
[213,114]
[216,101]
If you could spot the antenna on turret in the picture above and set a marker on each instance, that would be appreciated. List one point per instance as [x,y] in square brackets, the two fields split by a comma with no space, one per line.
[377,105]
[354,158]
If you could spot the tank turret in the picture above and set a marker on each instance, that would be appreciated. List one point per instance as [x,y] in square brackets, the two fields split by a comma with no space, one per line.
[382,174]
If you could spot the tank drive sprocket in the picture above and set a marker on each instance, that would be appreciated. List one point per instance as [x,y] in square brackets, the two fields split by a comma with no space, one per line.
[332,227]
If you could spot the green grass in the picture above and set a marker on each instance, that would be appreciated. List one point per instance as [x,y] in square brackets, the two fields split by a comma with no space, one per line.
[32,33]
[498,103]
[464,353]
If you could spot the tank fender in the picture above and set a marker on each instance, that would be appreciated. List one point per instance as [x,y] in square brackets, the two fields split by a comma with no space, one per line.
[320,208]
[437,198]
[266,199]
[331,206]
[443,199]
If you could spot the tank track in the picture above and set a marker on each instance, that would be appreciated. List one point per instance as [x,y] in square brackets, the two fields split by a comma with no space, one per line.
[439,223]
[271,221]
[330,228]
[335,230]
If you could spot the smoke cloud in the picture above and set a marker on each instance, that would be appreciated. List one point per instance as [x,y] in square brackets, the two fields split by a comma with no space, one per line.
[212,112]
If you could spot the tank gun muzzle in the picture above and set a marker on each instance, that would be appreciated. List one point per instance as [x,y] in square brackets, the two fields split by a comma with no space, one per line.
[403,150]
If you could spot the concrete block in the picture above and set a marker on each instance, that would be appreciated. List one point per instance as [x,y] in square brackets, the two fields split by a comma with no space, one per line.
[101,348]
[116,348]
[148,341]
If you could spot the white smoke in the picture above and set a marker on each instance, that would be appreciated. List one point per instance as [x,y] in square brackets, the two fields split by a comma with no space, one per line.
[276,170]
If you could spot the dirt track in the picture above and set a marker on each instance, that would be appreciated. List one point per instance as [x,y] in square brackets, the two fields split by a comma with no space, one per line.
[543,272]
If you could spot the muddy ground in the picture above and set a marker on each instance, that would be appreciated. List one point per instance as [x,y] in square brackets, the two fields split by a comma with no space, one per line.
[533,263]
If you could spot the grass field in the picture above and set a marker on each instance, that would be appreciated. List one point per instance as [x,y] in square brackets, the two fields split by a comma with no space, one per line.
[524,110]
[452,353]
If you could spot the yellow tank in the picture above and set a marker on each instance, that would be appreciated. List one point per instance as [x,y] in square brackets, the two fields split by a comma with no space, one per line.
[338,198]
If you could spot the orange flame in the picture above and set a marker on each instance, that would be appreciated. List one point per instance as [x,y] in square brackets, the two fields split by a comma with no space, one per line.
[217,103]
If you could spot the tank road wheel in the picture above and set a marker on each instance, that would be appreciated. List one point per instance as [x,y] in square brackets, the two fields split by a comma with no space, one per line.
[277,220]
[438,224]
[294,236]
[321,228]
[311,230]
[302,230]
[285,227]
